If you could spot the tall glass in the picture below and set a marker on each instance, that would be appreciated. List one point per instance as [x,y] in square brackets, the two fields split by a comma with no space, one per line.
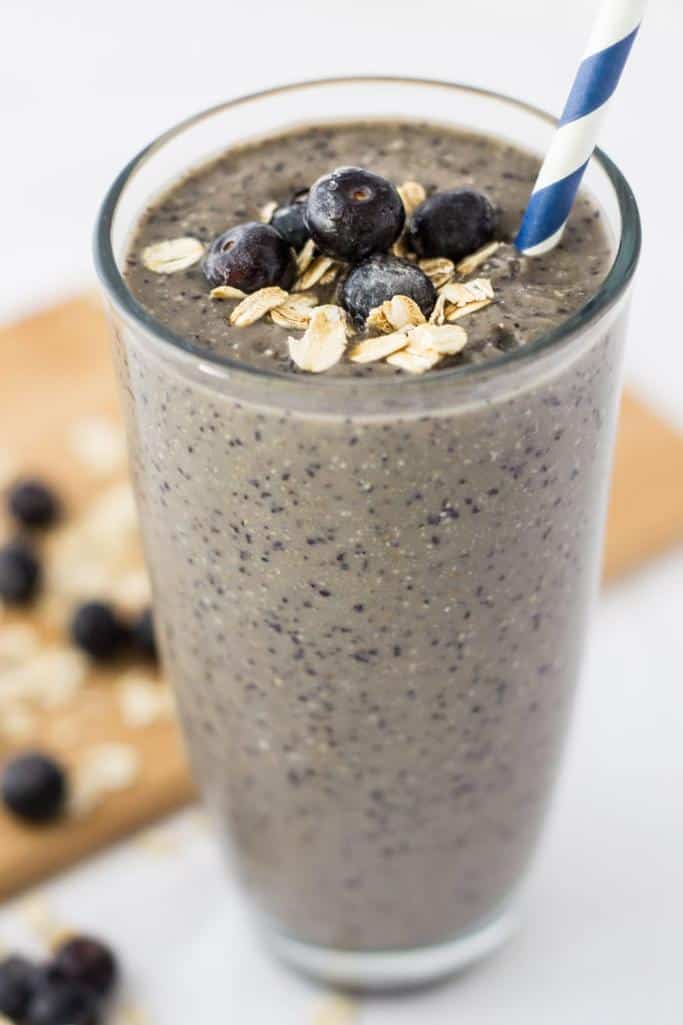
[372,595]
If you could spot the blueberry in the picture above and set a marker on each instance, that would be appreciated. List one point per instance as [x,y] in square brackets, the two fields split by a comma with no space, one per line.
[34,787]
[143,636]
[250,256]
[17,976]
[63,1003]
[380,278]
[33,504]
[352,213]
[87,961]
[288,220]
[453,224]
[19,572]
[96,628]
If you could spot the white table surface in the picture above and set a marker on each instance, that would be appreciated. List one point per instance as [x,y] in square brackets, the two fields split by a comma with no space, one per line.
[82,86]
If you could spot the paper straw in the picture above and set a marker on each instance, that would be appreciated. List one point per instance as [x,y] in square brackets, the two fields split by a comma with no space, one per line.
[553,196]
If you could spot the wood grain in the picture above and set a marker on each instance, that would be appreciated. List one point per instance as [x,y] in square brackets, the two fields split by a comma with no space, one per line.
[54,369]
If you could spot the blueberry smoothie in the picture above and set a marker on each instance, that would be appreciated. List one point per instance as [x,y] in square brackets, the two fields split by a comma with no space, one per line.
[373,529]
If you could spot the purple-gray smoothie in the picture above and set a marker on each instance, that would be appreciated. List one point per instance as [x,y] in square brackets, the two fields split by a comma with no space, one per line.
[373,615]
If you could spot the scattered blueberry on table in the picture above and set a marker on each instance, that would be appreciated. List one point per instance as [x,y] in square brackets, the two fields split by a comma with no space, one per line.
[97,630]
[352,213]
[17,981]
[20,572]
[249,257]
[34,787]
[452,224]
[69,989]
[88,961]
[32,503]
[143,636]
[63,1003]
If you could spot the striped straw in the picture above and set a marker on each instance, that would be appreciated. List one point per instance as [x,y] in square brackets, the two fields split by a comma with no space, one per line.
[572,147]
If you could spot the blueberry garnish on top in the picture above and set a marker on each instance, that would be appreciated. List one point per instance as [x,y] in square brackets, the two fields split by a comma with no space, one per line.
[33,503]
[381,277]
[452,224]
[352,213]
[289,220]
[249,257]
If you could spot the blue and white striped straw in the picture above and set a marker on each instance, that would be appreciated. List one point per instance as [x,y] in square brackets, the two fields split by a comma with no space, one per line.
[572,147]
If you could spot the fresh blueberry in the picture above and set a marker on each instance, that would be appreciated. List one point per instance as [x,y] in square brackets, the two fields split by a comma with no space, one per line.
[143,635]
[352,213]
[19,572]
[17,976]
[453,224]
[63,1003]
[33,504]
[250,256]
[34,787]
[87,961]
[97,629]
[380,278]
[288,220]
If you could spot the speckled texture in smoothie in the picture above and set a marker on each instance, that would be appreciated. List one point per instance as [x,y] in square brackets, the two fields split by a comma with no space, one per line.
[373,620]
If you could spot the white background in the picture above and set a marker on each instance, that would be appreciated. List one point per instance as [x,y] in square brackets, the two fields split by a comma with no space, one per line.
[83,85]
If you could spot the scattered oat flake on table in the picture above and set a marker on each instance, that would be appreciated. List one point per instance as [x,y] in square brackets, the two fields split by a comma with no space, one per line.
[172,255]
[478,259]
[335,1010]
[50,678]
[324,341]
[16,723]
[99,445]
[17,642]
[39,918]
[372,349]
[256,305]
[131,591]
[412,194]
[102,770]
[143,700]
[226,292]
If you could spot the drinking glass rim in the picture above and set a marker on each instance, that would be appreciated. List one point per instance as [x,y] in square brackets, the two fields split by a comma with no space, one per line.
[610,291]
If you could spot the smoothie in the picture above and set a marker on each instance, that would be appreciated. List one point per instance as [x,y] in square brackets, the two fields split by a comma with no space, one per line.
[373,611]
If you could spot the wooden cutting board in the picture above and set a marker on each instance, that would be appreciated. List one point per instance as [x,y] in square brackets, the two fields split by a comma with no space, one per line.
[55,374]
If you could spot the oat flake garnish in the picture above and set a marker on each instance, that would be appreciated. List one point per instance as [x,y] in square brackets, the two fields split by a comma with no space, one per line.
[227,292]
[476,260]
[267,211]
[412,194]
[414,362]
[372,349]
[305,257]
[172,255]
[438,269]
[295,313]
[324,342]
[257,305]
[401,250]
[314,273]
[447,340]
[464,311]
[395,314]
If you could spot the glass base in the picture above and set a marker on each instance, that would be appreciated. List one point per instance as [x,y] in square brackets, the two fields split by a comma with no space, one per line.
[393,969]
